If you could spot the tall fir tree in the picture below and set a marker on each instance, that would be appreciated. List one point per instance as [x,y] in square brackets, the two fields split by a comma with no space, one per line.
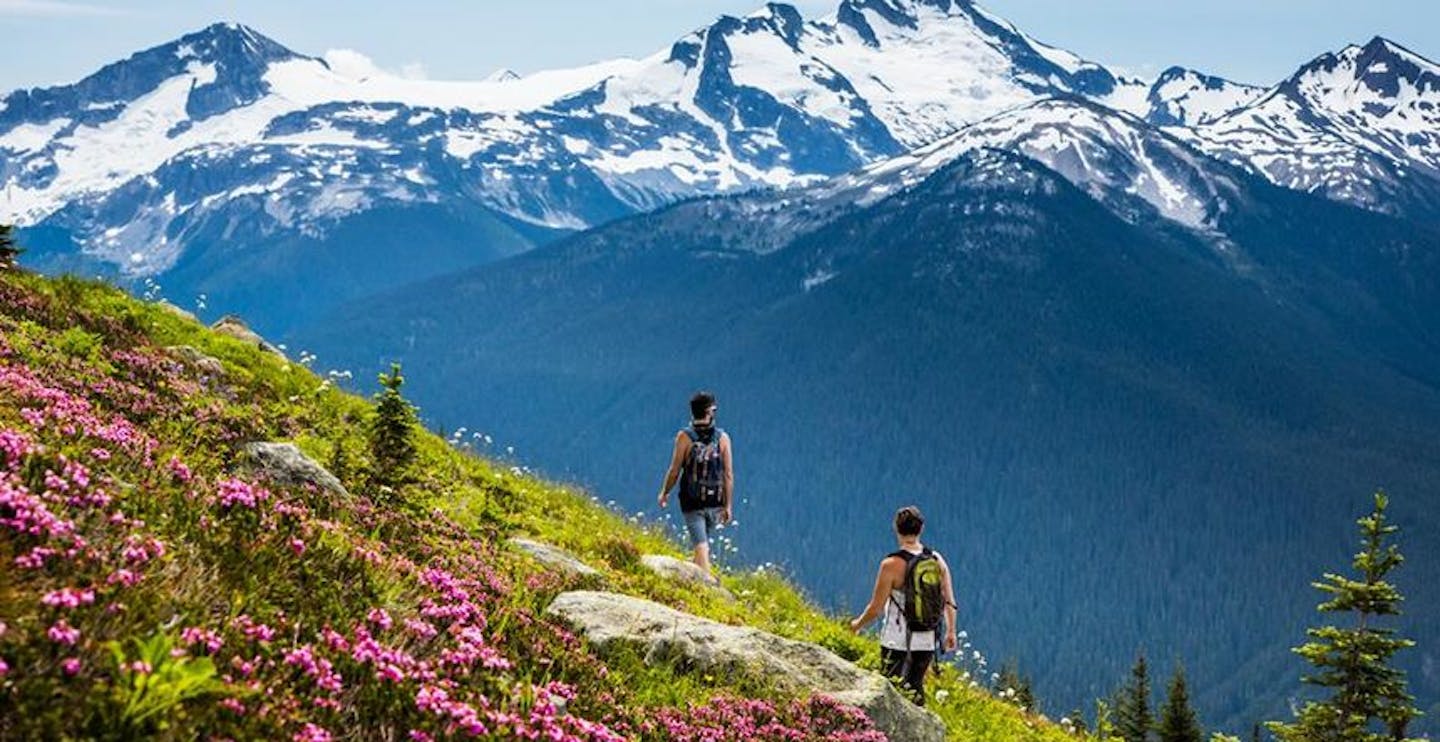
[9,249]
[1368,700]
[392,433]
[1133,719]
[1178,722]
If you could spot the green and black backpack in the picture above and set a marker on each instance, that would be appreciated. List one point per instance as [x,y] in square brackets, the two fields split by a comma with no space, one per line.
[924,590]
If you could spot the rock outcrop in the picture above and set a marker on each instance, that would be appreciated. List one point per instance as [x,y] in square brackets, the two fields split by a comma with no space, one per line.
[283,464]
[177,311]
[236,328]
[555,557]
[685,571]
[610,621]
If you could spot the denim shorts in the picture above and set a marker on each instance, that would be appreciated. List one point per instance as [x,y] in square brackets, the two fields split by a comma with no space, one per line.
[701,524]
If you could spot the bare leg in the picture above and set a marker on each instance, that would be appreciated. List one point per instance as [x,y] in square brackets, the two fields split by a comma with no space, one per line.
[702,557]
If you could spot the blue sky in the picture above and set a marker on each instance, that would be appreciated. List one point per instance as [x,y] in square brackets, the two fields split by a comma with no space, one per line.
[55,41]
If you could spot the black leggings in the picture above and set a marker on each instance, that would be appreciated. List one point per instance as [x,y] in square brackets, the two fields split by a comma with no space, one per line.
[912,678]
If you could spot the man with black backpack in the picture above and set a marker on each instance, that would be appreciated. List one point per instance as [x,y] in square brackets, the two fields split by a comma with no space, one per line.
[701,462]
[914,592]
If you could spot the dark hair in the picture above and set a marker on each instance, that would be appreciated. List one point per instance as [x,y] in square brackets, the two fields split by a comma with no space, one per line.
[700,404]
[909,521]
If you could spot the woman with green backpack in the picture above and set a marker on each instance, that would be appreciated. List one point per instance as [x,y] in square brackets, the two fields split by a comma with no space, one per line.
[914,592]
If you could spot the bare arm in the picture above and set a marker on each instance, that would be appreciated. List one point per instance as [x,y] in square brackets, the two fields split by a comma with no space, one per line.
[951,610]
[884,582]
[729,493]
[672,475]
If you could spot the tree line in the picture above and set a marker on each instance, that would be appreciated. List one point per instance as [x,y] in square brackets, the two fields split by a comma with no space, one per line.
[1362,696]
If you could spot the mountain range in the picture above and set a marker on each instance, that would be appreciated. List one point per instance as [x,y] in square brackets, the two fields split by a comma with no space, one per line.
[1168,331]
[224,164]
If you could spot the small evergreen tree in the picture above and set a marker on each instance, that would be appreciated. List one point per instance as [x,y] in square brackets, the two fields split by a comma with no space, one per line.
[1133,720]
[1104,723]
[392,433]
[1353,663]
[1177,719]
[1008,684]
[9,249]
[1025,695]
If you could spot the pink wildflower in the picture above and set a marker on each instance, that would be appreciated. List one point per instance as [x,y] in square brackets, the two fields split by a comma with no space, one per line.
[420,628]
[379,617]
[63,633]
[312,733]
[233,492]
[334,640]
[71,667]
[179,470]
[68,597]
[122,576]
[193,635]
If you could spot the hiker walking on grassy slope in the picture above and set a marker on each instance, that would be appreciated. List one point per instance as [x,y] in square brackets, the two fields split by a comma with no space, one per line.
[701,462]
[913,590]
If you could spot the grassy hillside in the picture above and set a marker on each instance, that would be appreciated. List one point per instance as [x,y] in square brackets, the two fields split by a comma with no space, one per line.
[148,591]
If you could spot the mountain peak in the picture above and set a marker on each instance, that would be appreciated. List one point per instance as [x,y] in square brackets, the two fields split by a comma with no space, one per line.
[230,41]
[227,62]
[504,74]
[1181,96]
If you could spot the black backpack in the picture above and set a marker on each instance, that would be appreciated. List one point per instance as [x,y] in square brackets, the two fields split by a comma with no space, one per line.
[704,480]
[923,589]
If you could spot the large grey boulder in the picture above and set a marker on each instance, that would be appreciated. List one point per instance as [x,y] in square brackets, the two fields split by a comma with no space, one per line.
[555,557]
[236,328]
[283,464]
[610,621]
[684,571]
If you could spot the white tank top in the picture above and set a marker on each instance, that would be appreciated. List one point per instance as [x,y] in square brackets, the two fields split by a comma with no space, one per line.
[892,627]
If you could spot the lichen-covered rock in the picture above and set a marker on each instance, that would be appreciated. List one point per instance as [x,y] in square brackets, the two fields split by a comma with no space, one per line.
[610,620]
[236,328]
[555,557]
[190,356]
[283,464]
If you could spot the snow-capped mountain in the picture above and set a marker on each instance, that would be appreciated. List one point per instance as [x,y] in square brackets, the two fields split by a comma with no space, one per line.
[227,124]
[1116,158]
[224,153]
[1182,97]
[1360,126]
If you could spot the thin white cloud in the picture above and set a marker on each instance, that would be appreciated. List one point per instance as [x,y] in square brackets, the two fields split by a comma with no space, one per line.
[355,65]
[53,9]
